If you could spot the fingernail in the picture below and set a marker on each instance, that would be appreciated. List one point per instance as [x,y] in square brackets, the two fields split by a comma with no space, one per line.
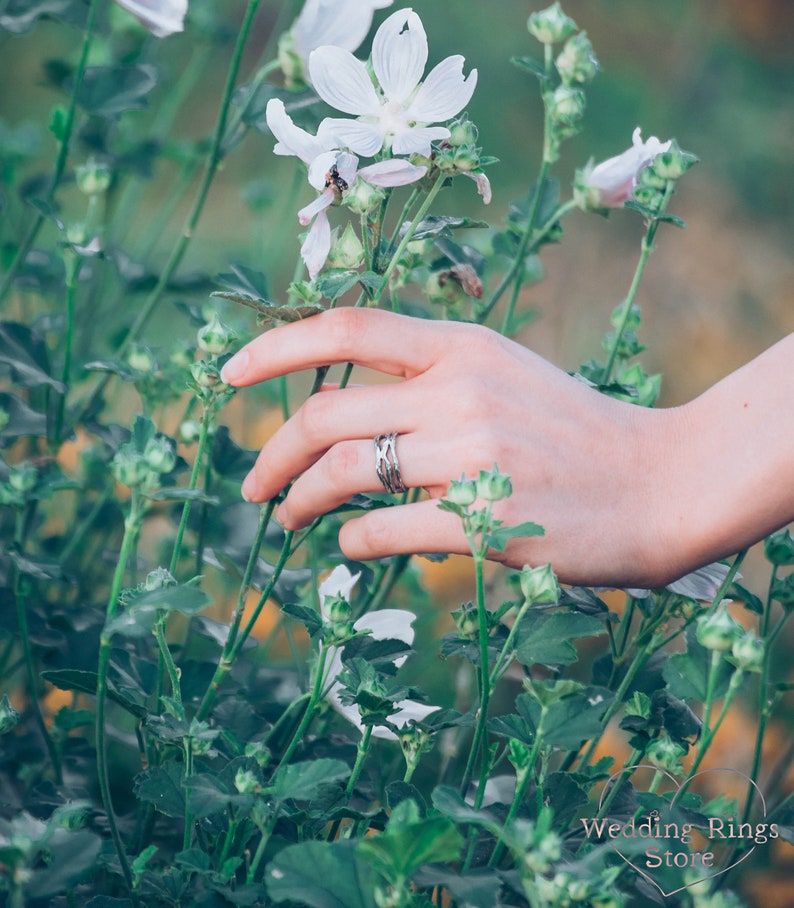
[248,489]
[235,368]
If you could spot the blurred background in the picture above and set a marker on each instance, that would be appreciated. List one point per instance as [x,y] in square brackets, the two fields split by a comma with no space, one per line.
[718,75]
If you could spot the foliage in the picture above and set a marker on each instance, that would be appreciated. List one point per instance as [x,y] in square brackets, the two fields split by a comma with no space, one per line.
[177,687]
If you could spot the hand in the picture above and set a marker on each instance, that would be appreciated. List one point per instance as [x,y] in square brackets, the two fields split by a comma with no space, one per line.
[470,399]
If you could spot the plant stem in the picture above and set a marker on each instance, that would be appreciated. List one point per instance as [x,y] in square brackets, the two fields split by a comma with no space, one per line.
[361,753]
[63,152]
[73,264]
[314,699]
[131,530]
[708,732]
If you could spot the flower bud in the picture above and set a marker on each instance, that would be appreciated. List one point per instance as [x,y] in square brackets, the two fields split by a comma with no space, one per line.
[140,359]
[567,105]
[462,492]
[291,62]
[246,782]
[205,374]
[362,197]
[414,741]
[779,548]
[9,717]
[577,62]
[258,751]
[338,633]
[129,467]
[719,630]
[518,753]
[539,585]
[158,579]
[347,250]
[22,477]
[493,485]
[93,177]
[216,338]
[442,289]
[673,163]
[160,454]
[665,754]
[337,609]
[551,25]
[748,652]
[189,431]
[467,621]
[462,132]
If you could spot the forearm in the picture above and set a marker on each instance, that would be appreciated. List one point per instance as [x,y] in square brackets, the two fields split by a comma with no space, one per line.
[732,472]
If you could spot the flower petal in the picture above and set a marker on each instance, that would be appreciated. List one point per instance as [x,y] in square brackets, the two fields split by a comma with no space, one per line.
[418,139]
[483,185]
[317,244]
[292,140]
[399,54]
[161,17]
[444,93]
[362,138]
[394,172]
[343,23]
[342,81]
[319,169]
[339,582]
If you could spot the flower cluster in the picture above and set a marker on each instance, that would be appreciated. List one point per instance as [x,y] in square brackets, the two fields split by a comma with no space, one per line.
[394,115]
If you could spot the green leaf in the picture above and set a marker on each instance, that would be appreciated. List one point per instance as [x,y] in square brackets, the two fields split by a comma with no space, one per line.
[530,65]
[410,841]
[86,682]
[271,311]
[321,875]
[498,538]
[19,16]
[162,786]
[107,91]
[474,890]
[448,801]
[303,781]
[72,854]
[21,419]
[442,225]
[207,795]
[307,616]
[336,282]
[545,638]
[26,357]
[247,281]
[687,673]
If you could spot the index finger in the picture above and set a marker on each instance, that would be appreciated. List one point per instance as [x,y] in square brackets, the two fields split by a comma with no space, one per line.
[390,343]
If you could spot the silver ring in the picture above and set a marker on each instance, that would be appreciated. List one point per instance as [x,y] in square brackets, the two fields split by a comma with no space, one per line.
[387,466]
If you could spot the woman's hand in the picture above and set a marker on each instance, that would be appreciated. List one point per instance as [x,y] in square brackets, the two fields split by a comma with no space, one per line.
[579,461]
[627,496]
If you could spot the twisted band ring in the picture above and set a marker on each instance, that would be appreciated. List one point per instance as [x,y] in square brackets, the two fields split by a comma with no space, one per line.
[387,466]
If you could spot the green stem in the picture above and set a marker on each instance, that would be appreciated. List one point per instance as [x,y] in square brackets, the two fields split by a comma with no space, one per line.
[63,152]
[311,706]
[708,732]
[73,264]
[214,160]
[131,530]
[480,741]
[506,654]
[361,752]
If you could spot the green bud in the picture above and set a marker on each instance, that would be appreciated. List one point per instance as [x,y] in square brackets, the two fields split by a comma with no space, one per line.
[181,357]
[577,62]
[542,856]
[719,630]
[140,359]
[347,250]
[306,291]
[259,752]
[160,454]
[93,177]
[665,754]
[291,62]
[441,288]
[23,477]
[9,717]
[337,609]
[216,338]
[362,197]
[467,621]
[206,374]
[647,387]
[551,25]
[414,741]
[519,754]
[674,163]
[129,467]
[779,548]
[158,579]
[539,585]
[246,782]
[462,132]
[462,492]
[493,485]
[748,652]
[567,105]
[578,890]
[190,431]
[339,633]
[649,176]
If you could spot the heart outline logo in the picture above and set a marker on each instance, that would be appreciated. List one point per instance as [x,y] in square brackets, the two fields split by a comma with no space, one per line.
[681,787]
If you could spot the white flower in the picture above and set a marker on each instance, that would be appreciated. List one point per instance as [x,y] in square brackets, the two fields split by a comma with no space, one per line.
[399,111]
[331,172]
[611,183]
[343,23]
[161,17]
[386,624]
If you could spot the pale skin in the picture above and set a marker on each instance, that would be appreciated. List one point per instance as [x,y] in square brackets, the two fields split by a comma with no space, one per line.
[628,496]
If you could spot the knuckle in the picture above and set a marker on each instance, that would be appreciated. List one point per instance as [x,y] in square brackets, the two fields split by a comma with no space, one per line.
[371,535]
[342,462]
[346,328]
[313,419]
